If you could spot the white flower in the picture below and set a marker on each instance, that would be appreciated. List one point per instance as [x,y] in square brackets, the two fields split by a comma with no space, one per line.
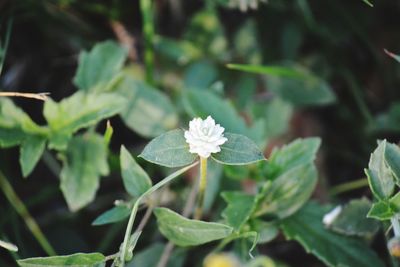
[204,137]
[331,216]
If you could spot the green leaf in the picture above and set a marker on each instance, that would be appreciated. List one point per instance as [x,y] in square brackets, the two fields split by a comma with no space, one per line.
[279,71]
[99,66]
[287,194]
[240,207]
[392,158]
[78,111]
[297,153]
[238,150]
[381,210]
[302,92]
[150,256]
[200,75]
[202,103]
[8,246]
[185,232]
[85,160]
[149,112]
[116,214]
[352,220]
[169,149]
[277,115]
[30,152]
[333,249]
[136,181]
[379,175]
[16,125]
[267,231]
[75,260]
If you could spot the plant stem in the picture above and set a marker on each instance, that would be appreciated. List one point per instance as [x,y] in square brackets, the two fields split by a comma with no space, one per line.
[341,188]
[24,213]
[152,189]
[148,31]
[202,188]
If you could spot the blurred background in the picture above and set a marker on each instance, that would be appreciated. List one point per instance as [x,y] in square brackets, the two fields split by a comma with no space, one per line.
[342,43]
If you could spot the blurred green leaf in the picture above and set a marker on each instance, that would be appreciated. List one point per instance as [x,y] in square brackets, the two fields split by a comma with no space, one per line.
[246,43]
[85,161]
[333,249]
[238,150]
[305,91]
[181,51]
[78,111]
[136,181]
[267,231]
[287,193]
[269,70]
[150,256]
[200,75]
[240,207]
[379,175]
[97,67]
[116,214]
[30,152]
[76,260]
[185,232]
[353,221]
[149,112]
[169,150]
[214,171]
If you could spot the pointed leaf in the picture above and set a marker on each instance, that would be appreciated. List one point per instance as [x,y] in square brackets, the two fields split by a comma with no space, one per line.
[185,232]
[99,66]
[333,249]
[116,214]
[78,111]
[30,152]
[238,150]
[169,150]
[381,210]
[85,161]
[75,260]
[379,175]
[136,180]
[240,207]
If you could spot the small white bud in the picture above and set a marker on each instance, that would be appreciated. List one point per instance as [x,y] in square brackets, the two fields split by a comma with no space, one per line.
[331,216]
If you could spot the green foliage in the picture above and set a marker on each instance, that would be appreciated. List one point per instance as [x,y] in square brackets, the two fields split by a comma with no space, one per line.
[311,90]
[149,112]
[353,221]
[185,232]
[30,152]
[116,214]
[240,207]
[238,150]
[85,160]
[169,149]
[136,180]
[269,70]
[16,125]
[333,249]
[76,260]
[78,111]
[97,67]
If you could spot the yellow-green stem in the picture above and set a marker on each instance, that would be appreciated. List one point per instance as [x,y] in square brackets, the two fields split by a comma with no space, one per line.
[202,188]
[24,213]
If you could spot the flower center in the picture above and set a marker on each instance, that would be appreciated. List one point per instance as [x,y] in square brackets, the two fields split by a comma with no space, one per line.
[205,130]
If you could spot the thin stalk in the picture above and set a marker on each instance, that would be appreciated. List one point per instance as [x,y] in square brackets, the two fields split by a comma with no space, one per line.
[341,188]
[38,96]
[132,217]
[148,31]
[202,188]
[30,222]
